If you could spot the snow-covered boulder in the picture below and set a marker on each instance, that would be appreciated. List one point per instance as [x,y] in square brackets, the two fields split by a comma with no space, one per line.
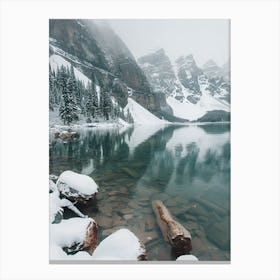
[72,235]
[76,187]
[187,258]
[120,245]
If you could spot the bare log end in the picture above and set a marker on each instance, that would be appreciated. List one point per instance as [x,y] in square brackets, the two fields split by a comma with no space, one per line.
[91,239]
[181,245]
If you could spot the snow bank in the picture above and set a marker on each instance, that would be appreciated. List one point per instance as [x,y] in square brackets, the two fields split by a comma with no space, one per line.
[121,245]
[141,115]
[83,184]
[52,185]
[187,258]
[56,205]
[57,61]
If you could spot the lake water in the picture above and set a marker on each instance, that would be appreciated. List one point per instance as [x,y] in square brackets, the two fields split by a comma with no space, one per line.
[187,167]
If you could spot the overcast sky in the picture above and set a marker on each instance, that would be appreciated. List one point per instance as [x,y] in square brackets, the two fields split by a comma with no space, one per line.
[204,38]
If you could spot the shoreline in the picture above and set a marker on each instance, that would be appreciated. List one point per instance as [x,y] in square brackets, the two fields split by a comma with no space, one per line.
[117,125]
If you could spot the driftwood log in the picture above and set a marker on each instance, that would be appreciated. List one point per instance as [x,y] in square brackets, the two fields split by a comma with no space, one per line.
[173,232]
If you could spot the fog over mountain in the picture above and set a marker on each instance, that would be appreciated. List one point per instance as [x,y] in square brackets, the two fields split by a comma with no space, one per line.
[203,38]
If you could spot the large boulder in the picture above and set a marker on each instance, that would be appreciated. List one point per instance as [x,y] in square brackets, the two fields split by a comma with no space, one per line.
[76,187]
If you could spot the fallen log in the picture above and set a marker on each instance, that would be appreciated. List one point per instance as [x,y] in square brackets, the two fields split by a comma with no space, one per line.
[173,232]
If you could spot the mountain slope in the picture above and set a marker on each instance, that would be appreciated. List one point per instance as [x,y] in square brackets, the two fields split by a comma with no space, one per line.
[96,51]
[191,92]
[140,115]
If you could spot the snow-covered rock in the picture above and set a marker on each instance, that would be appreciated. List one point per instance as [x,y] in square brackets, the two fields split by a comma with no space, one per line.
[141,115]
[76,186]
[187,258]
[121,245]
[72,235]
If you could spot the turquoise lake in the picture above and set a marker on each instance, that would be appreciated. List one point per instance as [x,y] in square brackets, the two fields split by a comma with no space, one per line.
[187,167]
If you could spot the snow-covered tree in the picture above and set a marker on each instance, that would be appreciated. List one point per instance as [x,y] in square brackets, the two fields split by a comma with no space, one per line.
[107,105]
[68,109]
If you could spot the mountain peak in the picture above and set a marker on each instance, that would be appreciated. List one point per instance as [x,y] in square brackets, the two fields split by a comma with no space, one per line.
[155,58]
[189,57]
[160,52]
[209,64]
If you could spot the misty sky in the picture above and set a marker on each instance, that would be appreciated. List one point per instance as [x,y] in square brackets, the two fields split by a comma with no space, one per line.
[204,38]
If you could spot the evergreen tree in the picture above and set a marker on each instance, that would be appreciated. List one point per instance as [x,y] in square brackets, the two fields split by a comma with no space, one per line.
[68,109]
[107,105]
[128,117]
[51,89]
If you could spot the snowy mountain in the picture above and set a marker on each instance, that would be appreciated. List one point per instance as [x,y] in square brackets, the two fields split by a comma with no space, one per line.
[191,92]
[94,77]
[102,63]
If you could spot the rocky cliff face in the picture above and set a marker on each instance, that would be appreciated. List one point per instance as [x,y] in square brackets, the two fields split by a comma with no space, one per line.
[158,69]
[218,79]
[188,74]
[95,49]
[191,91]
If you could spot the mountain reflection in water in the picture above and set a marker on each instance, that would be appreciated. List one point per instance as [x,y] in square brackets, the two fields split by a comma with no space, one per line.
[187,167]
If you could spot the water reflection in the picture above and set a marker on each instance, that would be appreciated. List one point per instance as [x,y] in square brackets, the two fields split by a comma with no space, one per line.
[187,167]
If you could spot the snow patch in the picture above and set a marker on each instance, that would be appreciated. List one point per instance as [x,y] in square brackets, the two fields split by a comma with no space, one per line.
[57,61]
[189,111]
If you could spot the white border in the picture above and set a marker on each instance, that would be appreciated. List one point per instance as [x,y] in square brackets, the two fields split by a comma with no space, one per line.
[255,138]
